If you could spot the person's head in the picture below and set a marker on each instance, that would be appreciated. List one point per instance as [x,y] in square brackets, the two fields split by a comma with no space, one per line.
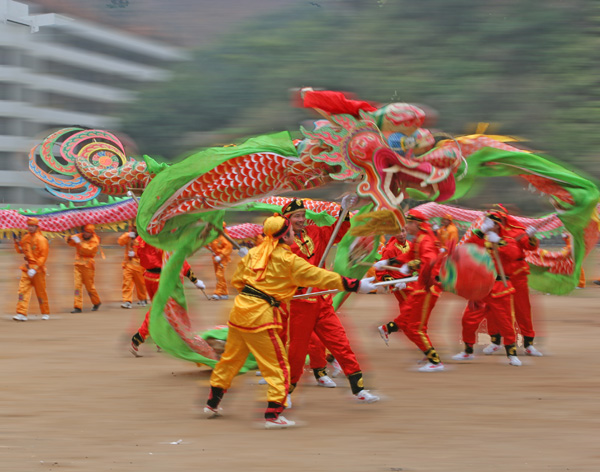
[401,236]
[32,225]
[88,231]
[132,229]
[279,228]
[499,219]
[295,211]
[446,220]
[414,220]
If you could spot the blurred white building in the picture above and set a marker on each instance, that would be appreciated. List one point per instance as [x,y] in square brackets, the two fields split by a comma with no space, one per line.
[57,71]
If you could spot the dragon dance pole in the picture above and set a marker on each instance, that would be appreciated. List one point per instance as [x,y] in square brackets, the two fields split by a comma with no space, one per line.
[378,284]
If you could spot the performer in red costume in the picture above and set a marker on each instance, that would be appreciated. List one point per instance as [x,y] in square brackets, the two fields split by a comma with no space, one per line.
[497,306]
[151,259]
[424,258]
[316,314]
[396,251]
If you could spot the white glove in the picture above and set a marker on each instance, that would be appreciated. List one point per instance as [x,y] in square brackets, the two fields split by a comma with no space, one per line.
[405,269]
[367,285]
[435,227]
[217,259]
[349,201]
[530,231]
[132,234]
[493,237]
[487,225]
[75,239]
[31,273]
[200,284]
[131,253]
[243,251]
[379,264]
[400,286]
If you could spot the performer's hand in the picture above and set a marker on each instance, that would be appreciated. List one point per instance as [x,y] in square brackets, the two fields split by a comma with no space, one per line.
[31,273]
[243,251]
[405,269]
[75,239]
[379,265]
[367,285]
[132,234]
[487,225]
[400,286]
[200,284]
[131,253]
[493,237]
[348,201]
[531,230]
[435,227]
[217,259]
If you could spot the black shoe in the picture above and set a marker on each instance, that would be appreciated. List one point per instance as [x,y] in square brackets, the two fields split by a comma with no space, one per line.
[95,307]
[76,310]
[597,282]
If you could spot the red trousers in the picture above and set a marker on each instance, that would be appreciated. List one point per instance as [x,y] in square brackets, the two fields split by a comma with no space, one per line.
[402,296]
[522,305]
[318,317]
[151,281]
[415,319]
[317,352]
[499,313]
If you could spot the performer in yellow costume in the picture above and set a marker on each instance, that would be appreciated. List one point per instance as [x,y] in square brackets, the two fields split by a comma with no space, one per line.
[267,278]
[87,244]
[133,272]
[34,247]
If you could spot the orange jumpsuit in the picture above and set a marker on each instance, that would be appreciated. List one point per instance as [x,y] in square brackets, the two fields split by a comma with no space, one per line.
[34,246]
[85,268]
[133,272]
[221,247]
[448,235]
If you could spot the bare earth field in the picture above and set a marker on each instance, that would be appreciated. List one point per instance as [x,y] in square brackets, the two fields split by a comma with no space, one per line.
[73,398]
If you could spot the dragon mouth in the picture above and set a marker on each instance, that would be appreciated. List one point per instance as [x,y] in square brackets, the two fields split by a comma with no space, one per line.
[422,176]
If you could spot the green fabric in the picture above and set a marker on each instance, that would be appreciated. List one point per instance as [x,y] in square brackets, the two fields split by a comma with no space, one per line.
[182,234]
[576,217]
[221,333]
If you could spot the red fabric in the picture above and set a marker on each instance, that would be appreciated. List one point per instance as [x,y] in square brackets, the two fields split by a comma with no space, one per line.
[415,319]
[497,310]
[522,305]
[317,352]
[319,317]
[336,103]
[150,256]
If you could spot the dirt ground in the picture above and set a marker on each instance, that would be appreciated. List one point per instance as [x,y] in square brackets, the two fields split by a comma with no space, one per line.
[73,398]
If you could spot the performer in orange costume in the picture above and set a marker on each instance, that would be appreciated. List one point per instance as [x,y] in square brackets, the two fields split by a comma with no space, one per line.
[448,232]
[133,272]
[221,250]
[424,257]
[87,244]
[497,307]
[396,251]
[34,247]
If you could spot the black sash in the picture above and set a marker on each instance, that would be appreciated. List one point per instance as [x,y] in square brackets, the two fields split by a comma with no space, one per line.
[256,293]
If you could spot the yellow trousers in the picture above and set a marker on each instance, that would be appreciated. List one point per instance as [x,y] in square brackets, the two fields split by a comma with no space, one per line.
[271,357]
[221,288]
[85,276]
[26,285]
[134,275]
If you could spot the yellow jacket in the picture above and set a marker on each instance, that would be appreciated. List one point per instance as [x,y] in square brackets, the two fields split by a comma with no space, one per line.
[448,234]
[86,249]
[222,247]
[285,273]
[34,246]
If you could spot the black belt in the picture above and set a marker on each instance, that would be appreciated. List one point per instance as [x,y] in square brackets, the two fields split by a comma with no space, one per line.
[499,278]
[156,270]
[256,293]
